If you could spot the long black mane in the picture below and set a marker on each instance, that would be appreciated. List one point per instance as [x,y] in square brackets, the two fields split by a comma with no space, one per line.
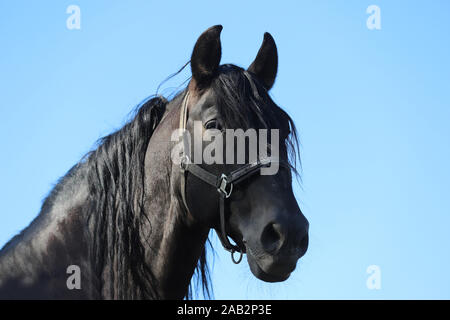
[116,198]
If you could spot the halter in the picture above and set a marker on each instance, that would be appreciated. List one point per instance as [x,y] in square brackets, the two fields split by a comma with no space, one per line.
[223,183]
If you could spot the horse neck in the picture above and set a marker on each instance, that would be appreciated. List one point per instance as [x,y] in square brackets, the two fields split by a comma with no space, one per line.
[55,240]
[176,241]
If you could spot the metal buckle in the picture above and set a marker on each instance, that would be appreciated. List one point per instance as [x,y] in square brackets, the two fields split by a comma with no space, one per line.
[223,186]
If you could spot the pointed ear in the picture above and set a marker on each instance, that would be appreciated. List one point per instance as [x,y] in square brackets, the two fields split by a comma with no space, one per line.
[265,64]
[206,56]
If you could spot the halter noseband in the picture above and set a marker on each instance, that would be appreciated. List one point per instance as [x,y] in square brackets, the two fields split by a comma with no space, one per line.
[223,183]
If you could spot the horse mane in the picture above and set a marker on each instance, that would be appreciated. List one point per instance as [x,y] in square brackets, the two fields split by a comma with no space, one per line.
[115,206]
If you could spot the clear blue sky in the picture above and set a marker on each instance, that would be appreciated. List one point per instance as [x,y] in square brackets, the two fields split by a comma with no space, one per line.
[372,108]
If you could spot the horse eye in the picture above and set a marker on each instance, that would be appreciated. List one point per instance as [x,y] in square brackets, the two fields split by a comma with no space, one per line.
[212,124]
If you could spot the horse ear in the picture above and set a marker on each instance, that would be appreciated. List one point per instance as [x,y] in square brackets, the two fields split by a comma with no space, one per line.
[206,56]
[265,64]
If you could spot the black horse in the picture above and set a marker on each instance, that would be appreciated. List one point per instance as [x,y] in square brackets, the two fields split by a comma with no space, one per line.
[133,224]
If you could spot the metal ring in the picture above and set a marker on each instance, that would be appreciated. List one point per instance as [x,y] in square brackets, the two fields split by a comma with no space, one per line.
[228,194]
[223,186]
[240,257]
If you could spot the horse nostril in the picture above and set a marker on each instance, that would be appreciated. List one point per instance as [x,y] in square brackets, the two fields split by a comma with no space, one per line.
[272,238]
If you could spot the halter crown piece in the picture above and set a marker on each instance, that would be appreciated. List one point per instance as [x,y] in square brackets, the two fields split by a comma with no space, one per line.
[223,183]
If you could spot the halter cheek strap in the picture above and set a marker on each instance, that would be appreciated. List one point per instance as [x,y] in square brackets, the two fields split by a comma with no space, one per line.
[222,183]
